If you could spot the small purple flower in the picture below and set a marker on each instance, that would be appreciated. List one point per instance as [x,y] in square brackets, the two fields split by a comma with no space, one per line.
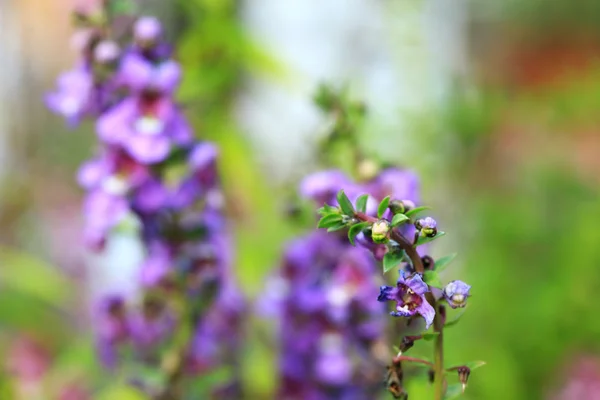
[112,328]
[146,128]
[456,294]
[397,183]
[139,74]
[157,265]
[409,294]
[147,29]
[106,52]
[72,97]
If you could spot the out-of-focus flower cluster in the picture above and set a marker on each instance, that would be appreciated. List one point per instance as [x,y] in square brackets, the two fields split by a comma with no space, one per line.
[149,169]
[332,329]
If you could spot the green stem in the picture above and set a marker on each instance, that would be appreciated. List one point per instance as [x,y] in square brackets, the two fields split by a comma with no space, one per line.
[438,369]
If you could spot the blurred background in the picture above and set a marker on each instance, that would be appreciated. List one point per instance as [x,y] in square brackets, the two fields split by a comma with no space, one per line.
[494,103]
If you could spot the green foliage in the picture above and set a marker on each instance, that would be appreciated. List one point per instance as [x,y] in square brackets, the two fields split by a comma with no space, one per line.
[416,210]
[432,279]
[345,203]
[361,203]
[383,206]
[399,219]
[356,229]
[454,391]
[329,220]
[392,259]
[442,262]
[426,239]
[430,336]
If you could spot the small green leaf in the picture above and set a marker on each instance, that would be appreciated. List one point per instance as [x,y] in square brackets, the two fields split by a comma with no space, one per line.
[416,210]
[430,336]
[399,219]
[425,239]
[432,279]
[442,263]
[327,209]
[337,227]
[455,320]
[361,203]
[392,259]
[455,390]
[329,220]
[345,203]
[355,230]
[383,206]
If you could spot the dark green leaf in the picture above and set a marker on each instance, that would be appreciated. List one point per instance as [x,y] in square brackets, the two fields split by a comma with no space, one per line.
[442,263]
[399,219]
[355,230]
[345,203]
[329,220]
[430,336]
[425,239]
[432,279]
[456,319]
[416,210]
[361,203]
[453,391]
[392,259]
[383,206]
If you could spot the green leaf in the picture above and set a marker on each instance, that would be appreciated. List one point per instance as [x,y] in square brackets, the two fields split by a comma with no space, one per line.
[430,336]
[392,259]
[432,279]
[455,320]
[345,203]
[442,263]
[355,230]
[361,203]
[399,219]
[455,390]
[329,220]
[383,206]
[425,239]
[327,209]
[337,227]
[416,210]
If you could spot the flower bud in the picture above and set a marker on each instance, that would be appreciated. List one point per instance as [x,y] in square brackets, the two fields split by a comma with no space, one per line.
[106,52]
[456,294]
[463,376]
[428,262]
[147,31]
[427,226]
[380,232]
[394,380]
[401,206]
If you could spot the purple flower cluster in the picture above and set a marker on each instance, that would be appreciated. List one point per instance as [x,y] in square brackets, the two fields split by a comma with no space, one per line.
[151,169]
[324,294]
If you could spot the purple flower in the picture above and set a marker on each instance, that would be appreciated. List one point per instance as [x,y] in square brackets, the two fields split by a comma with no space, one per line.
[409,295]
[322,187]
[145,127]
[203,176]
[141,75]
[397,183]
[112,328]
[147,29]
[333,366]
[151,325]
[106,52]
[73,96]
[456,294]
[157,265]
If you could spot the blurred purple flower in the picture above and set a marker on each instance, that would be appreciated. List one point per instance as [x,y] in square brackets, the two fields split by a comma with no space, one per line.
[73,97]
[322,187]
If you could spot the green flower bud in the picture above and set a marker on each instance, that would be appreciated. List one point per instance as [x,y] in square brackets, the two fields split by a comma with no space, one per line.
[380,232]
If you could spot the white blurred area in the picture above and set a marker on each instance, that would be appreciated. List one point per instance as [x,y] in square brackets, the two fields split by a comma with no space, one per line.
[399,56]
